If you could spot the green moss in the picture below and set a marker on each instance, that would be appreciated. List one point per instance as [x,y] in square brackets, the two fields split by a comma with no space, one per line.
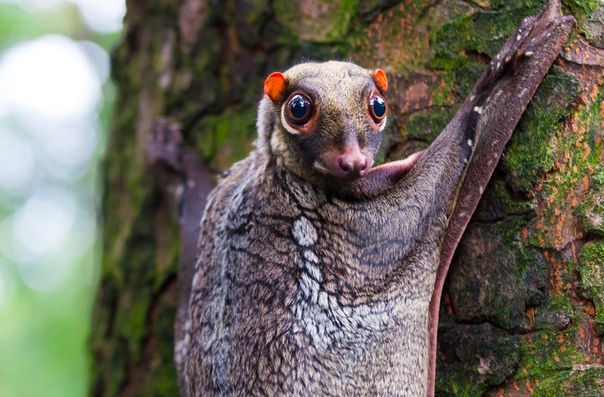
[497,203]
[578,154]
[460,81]
[465,44]
[449,43]
[531,7]
[164,381]
[329,24]
[219,138]
[584,382]
[509,229]
[491,29]
[139,279]
[484,359]
[598,178]
[346,10]
[115,369]
[426,125]
[396,39]
[580,7]
[478,34]
[456,383]
[256,12]
[495,282]
[591,210]
[559,302]
[591,270]
[132,320]
[164,384]
[531,150]
[554,314]
[545,353]
[526,259]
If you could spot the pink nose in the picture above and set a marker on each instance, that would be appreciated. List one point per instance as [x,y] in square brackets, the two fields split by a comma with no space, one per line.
[353,164]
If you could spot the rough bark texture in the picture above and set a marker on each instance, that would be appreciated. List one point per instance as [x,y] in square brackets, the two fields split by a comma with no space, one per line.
[523,308]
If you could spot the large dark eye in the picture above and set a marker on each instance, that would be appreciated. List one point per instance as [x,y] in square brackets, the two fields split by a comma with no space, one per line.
[377,108]
[298,109]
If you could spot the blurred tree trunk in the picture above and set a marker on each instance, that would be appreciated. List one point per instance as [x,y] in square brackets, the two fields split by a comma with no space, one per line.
[523,309]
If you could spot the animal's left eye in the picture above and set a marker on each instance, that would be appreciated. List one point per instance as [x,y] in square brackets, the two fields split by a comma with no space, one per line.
[377,108]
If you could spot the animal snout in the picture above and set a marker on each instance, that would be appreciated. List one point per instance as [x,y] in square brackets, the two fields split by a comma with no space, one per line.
[353,164]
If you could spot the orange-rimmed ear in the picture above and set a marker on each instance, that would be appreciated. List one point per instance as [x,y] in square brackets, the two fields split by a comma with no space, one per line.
[380,80]
[274,86]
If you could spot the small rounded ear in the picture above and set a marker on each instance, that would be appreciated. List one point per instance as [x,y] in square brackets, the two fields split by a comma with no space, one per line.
[380,80]
[274,86]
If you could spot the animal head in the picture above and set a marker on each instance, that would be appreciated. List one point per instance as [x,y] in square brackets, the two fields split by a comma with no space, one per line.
[324,121]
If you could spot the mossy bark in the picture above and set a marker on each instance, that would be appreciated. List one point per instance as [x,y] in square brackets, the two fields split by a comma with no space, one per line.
[522,310]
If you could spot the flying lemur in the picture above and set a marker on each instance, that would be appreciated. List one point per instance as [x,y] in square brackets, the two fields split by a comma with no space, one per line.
[318,274]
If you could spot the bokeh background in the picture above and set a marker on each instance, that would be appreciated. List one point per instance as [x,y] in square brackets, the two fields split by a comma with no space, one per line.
[55,105]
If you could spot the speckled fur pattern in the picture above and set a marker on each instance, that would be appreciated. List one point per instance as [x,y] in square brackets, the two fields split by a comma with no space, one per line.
[306,286]
[319,317]
[299,292]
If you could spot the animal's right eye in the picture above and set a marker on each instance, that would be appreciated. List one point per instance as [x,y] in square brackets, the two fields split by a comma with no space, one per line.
[377,108]
[298,109]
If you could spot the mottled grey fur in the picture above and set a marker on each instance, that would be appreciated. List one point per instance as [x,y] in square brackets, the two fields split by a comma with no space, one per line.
[306,285]
[299,292]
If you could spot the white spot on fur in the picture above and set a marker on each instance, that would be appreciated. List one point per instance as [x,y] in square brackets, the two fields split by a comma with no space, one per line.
[523,92]
[304,232]
[325,320]
[518,37]
[323,301]
[478,109]
[311,268]
[309,287]
[498,65]
[529,53]
[469,142]
[310,256]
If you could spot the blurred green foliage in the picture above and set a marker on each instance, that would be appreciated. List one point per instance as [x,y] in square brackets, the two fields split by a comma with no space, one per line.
[44,335]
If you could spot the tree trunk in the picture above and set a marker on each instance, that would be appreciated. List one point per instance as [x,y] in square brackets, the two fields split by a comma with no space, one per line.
[523,307]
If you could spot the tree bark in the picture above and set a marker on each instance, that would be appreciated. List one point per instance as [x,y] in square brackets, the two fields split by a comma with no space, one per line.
[523,307]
